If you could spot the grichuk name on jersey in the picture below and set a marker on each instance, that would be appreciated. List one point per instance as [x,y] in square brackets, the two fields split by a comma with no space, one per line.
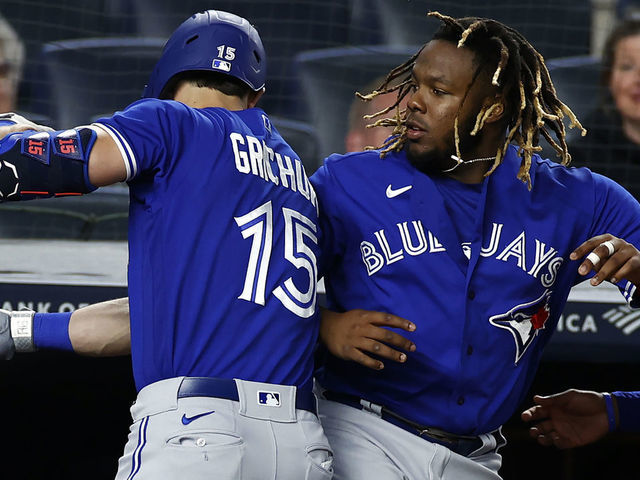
[412,239]
[255,157]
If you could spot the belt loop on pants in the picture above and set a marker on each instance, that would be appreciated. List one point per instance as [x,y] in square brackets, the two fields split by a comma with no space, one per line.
[463,445]
[227,389]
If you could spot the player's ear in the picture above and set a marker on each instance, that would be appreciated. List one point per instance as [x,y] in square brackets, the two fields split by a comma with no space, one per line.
[496,103]
[253,98]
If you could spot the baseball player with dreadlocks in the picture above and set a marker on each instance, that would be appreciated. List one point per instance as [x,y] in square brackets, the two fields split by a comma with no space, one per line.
[222,262]
[457,226]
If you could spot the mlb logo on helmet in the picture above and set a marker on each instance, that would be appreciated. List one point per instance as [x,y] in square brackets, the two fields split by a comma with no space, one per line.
[221,65]
[269,399]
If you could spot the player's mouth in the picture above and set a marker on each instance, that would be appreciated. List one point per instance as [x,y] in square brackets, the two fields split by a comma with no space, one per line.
[415,130]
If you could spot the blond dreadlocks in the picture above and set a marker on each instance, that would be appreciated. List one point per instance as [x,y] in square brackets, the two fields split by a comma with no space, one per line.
[520,73]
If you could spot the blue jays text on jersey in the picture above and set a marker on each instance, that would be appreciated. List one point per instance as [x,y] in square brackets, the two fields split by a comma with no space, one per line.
[483,318]
[223,242]
[410,239]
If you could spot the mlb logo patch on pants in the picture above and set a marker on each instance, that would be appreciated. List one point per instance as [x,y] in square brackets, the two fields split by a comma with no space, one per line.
[270,399]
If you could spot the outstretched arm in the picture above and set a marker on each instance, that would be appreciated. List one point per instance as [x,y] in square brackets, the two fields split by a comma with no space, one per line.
[576,417]
[569,419]
[40,162]
[97,330]
[101,329]
[355,334]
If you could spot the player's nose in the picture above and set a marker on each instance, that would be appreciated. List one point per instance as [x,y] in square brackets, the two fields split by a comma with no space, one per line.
[415,102]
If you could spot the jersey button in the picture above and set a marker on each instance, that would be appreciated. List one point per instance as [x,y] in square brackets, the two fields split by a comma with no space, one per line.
[471,295]
[469,350]
[460,400]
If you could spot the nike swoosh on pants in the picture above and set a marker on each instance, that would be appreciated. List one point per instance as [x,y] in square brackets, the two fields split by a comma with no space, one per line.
[187,420]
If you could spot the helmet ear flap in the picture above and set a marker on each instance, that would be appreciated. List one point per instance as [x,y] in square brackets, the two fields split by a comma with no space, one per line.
[213,41]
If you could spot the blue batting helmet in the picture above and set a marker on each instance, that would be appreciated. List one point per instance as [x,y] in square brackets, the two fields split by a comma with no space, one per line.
[212,41]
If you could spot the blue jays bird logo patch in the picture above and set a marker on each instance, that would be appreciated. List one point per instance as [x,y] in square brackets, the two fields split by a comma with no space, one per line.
[524,321]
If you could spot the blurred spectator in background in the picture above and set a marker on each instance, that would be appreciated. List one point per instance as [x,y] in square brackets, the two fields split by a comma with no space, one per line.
[359,136]
[11,63]
[612,144]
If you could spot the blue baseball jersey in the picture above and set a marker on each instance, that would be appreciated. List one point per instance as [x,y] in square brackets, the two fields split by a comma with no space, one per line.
[482,321]
[223,244]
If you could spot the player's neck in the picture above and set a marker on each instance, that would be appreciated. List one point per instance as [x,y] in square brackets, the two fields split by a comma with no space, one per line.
[472,170]
[477,161]
[202,97]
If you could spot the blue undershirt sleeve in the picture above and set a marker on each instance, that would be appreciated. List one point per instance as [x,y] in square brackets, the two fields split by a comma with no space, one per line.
[628,411]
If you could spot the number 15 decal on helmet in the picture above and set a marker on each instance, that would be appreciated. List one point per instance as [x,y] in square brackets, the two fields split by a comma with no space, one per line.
[233,48]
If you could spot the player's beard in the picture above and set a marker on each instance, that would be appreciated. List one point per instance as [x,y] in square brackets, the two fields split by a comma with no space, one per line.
[437,160]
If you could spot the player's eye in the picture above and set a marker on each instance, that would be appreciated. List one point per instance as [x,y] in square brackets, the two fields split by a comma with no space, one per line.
[437,92]
[625,67]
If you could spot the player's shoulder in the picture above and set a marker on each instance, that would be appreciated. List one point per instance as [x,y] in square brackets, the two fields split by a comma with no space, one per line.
[366,160]
[157,105]
[173,108]
[250,120]
[151,111]
[548,175]
[571,175]
[352,171]
[336,167]
[551,182]
[546,168]
[577,185]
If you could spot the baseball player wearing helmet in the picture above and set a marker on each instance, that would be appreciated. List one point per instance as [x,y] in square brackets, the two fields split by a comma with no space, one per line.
[223,241]
[458,227]
[575,418]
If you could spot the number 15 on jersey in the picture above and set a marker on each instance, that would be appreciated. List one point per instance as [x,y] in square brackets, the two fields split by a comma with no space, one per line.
[258,224]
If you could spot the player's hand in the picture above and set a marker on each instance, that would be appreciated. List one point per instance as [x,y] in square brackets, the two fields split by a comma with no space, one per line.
[7,345]
[569,419]
[13,123]
[354,334]
[612,258]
